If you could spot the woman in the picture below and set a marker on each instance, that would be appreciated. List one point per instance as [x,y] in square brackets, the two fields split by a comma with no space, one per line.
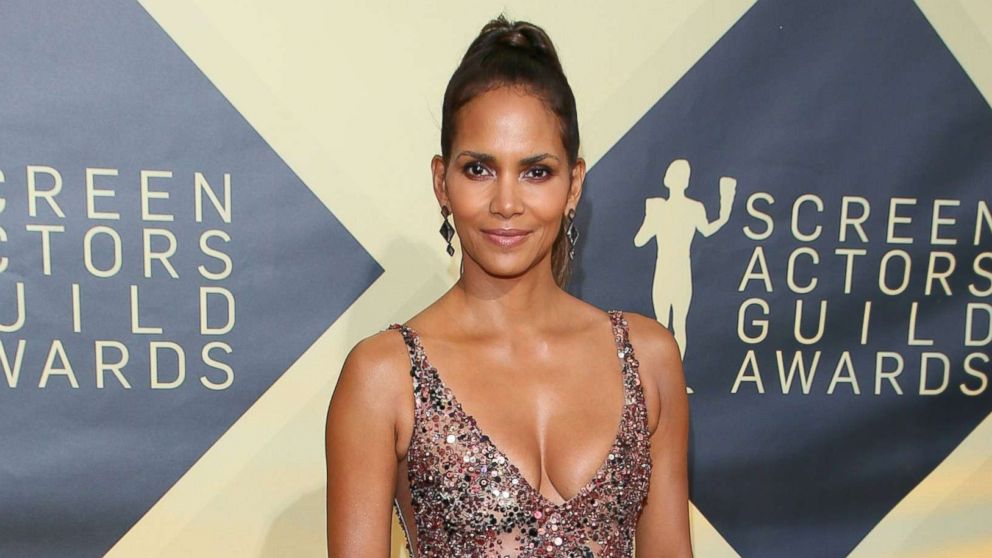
[528,458]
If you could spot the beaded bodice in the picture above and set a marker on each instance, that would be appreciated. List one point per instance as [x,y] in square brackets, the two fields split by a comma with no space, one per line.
[470,500]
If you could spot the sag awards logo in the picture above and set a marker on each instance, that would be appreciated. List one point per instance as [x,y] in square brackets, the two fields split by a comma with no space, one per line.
[926,260]
[66,269]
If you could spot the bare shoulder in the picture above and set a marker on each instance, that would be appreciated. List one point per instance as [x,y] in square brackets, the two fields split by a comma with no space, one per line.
[377,358]
[652,341]
[374,382]
[659,359]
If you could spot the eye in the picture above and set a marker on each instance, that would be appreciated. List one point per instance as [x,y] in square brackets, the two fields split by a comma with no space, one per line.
[475,169]
[539,173]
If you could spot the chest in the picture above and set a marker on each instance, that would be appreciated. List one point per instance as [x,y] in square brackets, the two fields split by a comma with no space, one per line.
[555,419]
[466,491]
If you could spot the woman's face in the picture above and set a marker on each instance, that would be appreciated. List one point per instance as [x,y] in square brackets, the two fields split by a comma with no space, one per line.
[508,183]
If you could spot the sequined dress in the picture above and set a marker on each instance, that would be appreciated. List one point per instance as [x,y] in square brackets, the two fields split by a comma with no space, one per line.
[469,500]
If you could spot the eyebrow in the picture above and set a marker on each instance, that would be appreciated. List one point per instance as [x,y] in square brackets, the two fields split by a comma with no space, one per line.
[487,158]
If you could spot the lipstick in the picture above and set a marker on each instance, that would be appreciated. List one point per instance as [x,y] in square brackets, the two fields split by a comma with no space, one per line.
[506,238]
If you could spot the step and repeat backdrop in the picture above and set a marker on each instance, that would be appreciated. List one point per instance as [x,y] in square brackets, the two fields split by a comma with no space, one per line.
[203,206]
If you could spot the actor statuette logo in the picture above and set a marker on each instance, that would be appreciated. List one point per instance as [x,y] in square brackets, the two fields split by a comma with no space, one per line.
[674,222]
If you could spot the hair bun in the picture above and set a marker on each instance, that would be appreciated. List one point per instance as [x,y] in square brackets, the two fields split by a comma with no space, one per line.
[521,35]
[514,37]
[523,38]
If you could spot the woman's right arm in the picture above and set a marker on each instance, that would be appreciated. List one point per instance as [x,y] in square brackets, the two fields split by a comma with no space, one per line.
[360,450]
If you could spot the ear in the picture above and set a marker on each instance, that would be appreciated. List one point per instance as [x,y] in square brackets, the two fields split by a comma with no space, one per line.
[437,175]
[575,185]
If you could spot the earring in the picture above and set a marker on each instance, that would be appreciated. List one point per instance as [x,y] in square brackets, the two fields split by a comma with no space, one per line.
[571,233]
[447,231]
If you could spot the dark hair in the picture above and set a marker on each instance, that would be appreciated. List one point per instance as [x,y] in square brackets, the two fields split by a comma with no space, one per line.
[516,54]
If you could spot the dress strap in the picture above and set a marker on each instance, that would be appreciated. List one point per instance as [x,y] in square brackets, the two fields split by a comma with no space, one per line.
[620,332]
[416,352]
[625,351]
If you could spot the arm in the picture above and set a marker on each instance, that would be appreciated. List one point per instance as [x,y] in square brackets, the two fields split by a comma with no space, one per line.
[663,528]
[645,233]
[728,188]
[360,451]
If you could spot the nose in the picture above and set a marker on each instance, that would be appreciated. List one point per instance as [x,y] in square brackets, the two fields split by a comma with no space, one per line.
[506,196]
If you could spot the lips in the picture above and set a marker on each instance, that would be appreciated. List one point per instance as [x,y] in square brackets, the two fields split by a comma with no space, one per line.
[505,232]
[506,237]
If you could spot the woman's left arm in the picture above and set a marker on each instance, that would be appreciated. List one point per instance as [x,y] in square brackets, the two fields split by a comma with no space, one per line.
[663,528]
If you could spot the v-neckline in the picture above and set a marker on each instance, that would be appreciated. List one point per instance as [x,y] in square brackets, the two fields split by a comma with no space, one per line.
[616,317]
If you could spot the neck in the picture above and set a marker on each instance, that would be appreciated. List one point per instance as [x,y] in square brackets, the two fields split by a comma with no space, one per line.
[486,302]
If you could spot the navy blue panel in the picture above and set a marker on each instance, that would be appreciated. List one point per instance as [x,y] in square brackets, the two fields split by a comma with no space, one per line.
[101,85]
[831,98]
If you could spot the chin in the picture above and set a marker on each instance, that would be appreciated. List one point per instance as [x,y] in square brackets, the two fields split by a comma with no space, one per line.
[507,265]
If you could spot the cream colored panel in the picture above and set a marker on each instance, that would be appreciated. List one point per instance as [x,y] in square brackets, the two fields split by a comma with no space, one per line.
[947,514]
[965,26]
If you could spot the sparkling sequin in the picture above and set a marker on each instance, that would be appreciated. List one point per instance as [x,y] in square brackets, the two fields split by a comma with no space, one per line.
[469,499]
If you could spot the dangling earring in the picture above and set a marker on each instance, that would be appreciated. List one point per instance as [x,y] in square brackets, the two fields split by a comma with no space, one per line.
[447,231]
[571,233]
